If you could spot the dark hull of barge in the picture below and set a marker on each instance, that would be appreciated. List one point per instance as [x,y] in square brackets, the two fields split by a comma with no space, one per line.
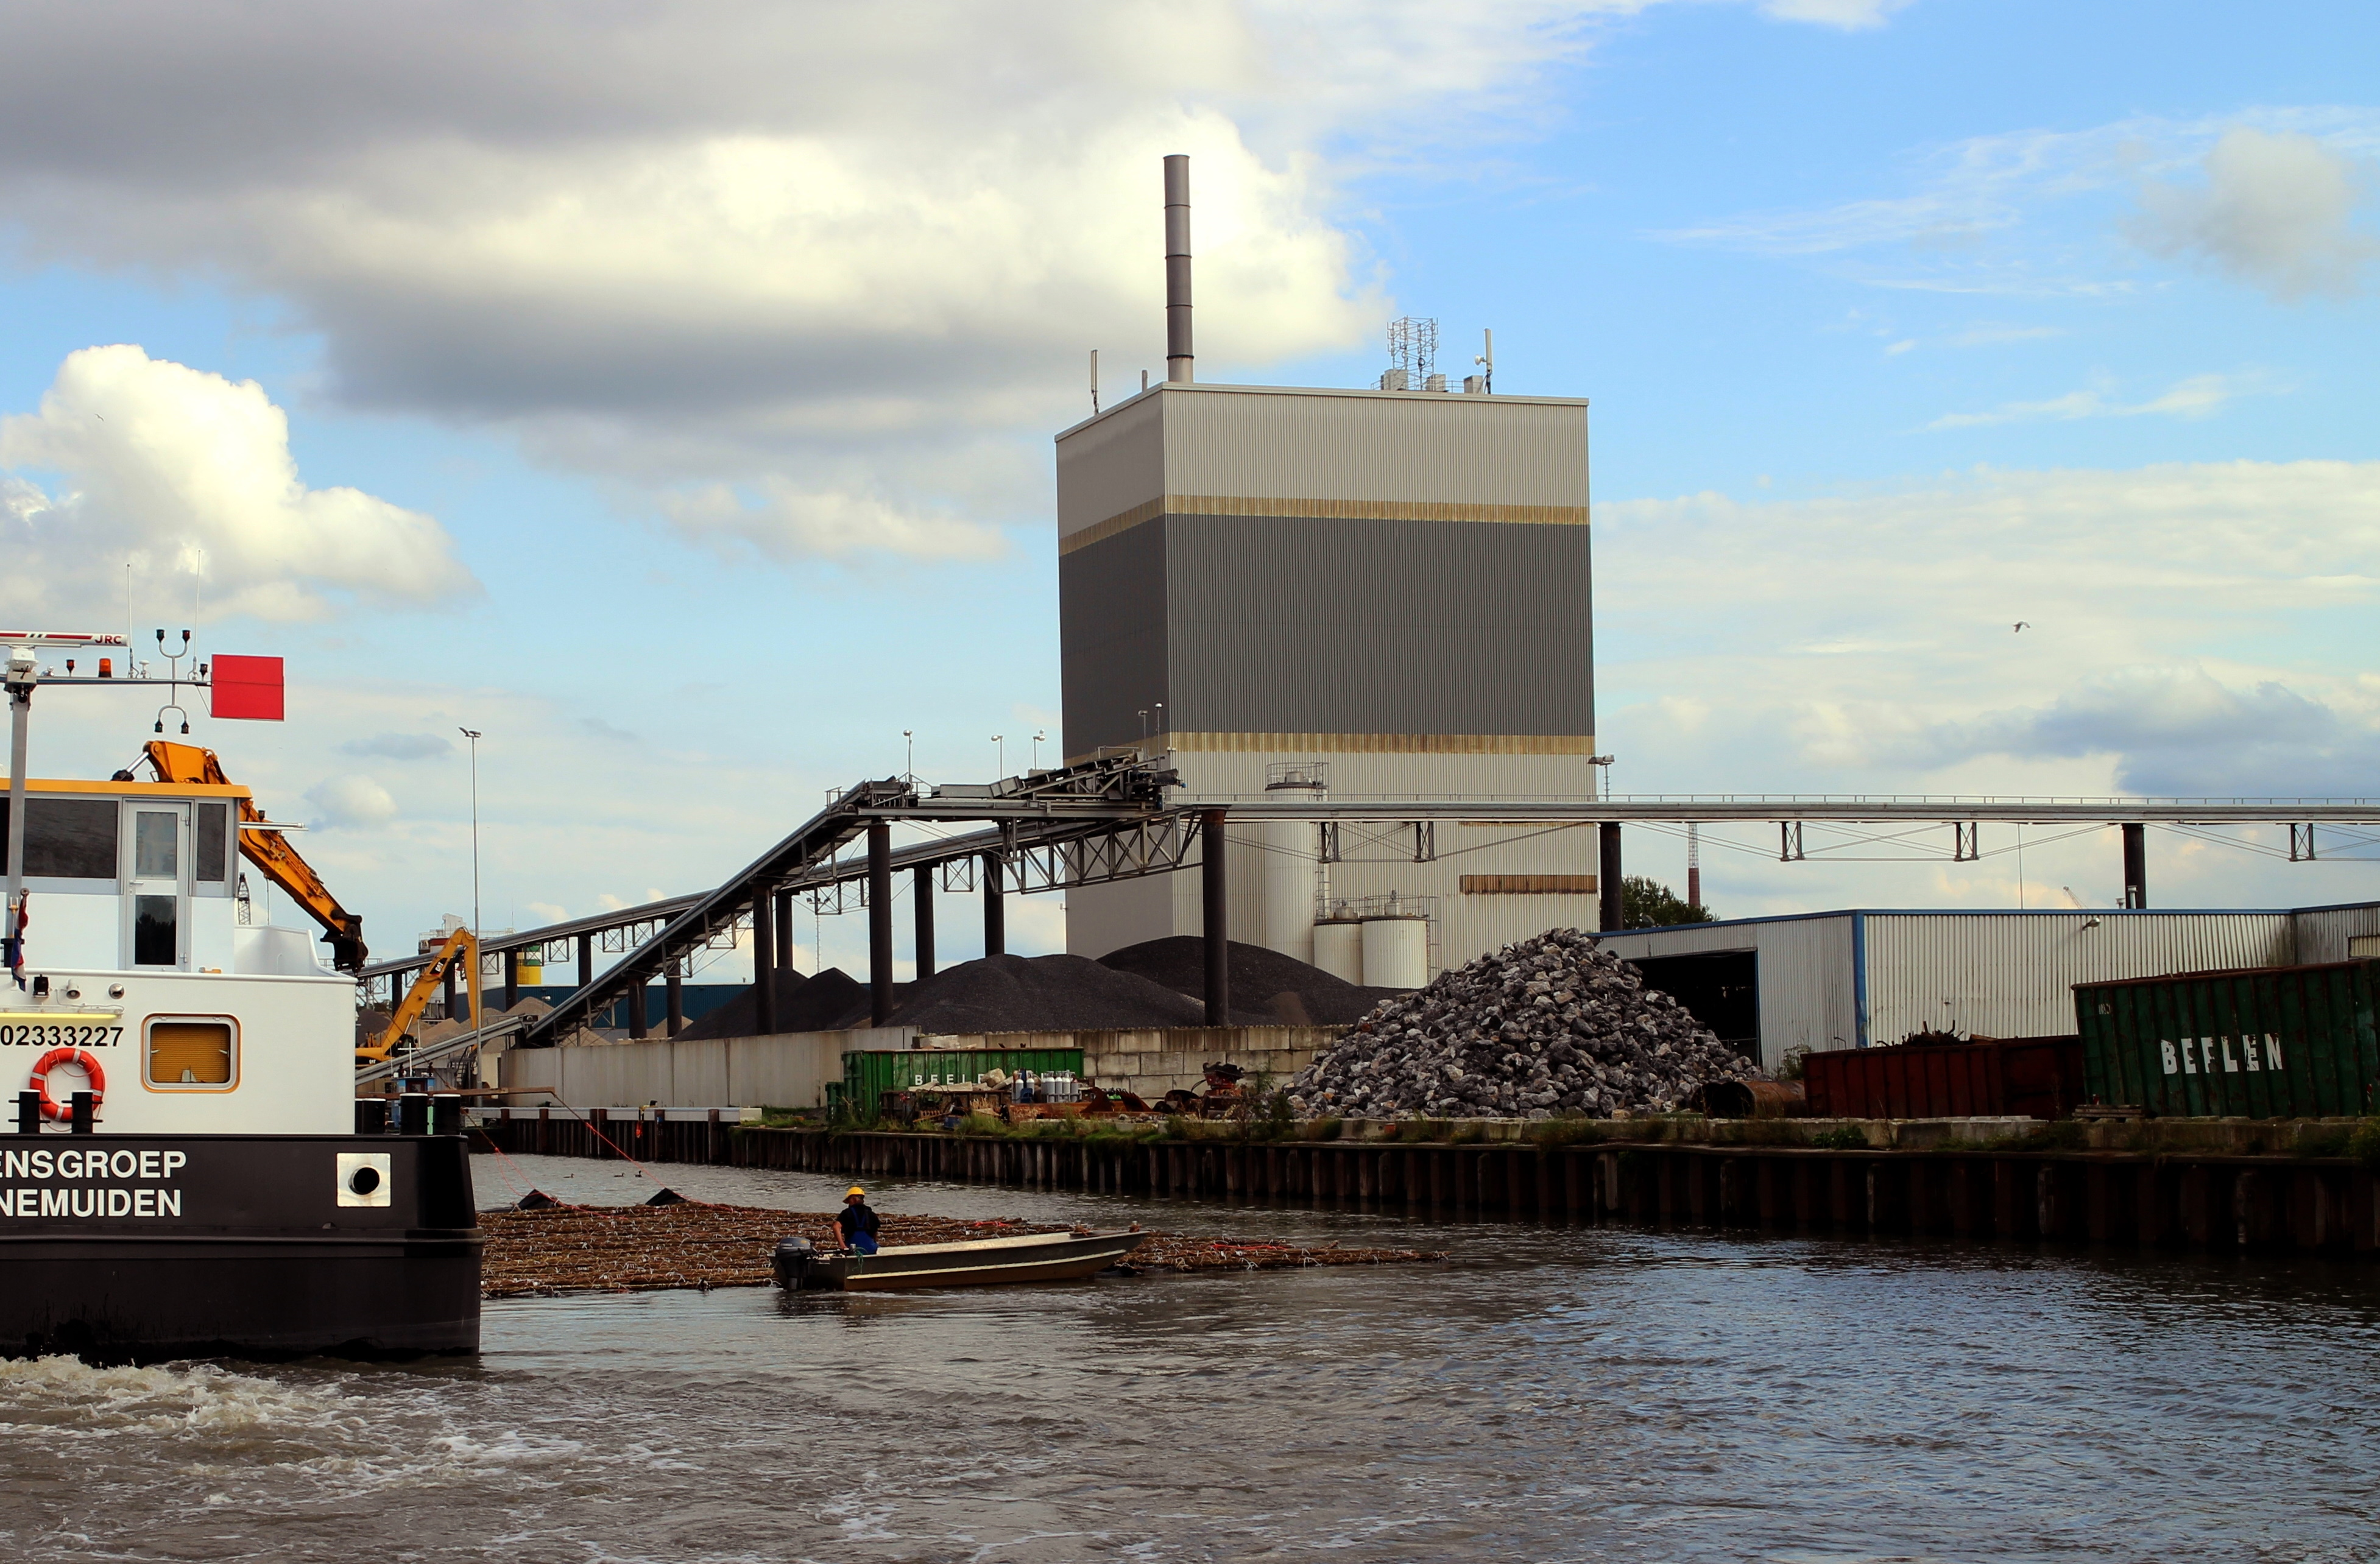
[242,1247]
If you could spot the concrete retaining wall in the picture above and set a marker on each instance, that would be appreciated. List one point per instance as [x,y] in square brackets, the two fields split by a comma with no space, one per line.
[790,1069]
[1162,1060]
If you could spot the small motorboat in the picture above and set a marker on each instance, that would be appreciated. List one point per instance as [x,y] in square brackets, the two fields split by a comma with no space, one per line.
[983,1262]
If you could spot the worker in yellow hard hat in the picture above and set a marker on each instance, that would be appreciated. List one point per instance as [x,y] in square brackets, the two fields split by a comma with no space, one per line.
[859,1225]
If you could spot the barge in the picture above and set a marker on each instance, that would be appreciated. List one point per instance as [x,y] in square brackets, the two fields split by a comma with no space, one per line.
[184,1177]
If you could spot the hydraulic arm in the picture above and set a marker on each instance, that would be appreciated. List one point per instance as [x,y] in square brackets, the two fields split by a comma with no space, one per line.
[269,851]
[460,947]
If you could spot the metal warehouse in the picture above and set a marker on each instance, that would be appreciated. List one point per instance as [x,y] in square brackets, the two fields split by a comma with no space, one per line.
[1862,978]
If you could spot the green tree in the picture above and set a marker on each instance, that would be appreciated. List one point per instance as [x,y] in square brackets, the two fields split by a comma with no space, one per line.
[1647,903]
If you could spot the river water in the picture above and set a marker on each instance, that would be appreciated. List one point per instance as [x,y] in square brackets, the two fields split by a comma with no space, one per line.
[1553,1393]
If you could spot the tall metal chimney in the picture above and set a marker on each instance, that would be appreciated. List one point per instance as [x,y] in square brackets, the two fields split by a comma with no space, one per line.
[1178,358]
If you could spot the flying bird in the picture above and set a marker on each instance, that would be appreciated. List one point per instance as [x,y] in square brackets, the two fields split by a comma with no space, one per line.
[2022,625]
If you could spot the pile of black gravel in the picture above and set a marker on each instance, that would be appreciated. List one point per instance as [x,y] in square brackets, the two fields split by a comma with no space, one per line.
[1041,994]
[1543,1026]
[1161,983]
[1267,987]
[804,1004]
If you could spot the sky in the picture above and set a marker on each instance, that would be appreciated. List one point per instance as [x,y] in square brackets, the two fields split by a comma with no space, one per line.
[666,393]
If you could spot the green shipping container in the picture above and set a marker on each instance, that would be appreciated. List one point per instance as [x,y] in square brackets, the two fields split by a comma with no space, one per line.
[867,1074]
[2289,1042]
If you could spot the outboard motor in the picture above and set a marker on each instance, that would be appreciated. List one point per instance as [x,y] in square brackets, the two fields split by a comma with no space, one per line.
[792,1262]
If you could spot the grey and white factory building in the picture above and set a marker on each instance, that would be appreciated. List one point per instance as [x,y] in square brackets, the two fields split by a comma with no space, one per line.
[1381,593]
[1866,978]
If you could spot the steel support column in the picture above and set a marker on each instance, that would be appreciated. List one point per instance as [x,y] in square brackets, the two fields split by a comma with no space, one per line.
[673,985]
[1214,906]
[784,962]
[586,959]
[879,923]
[448,995]
[637,1008]
[764,961]
[921,886]
[511,978]
[995,908]
[2136,865]
[1613,914]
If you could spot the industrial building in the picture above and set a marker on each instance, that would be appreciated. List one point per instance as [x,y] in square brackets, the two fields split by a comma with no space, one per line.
[1346,593]
[1864,978]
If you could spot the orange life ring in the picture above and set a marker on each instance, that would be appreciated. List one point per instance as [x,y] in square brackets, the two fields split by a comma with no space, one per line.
[41,1081]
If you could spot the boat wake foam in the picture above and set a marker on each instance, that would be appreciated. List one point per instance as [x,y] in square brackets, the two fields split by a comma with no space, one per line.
[350,1434]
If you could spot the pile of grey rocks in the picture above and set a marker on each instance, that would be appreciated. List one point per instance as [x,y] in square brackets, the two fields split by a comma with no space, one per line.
[1543,1026]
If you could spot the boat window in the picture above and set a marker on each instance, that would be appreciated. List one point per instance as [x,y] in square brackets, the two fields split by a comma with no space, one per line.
[156,845]
[193,1052]
[214,825]
[155,931]
[67,837]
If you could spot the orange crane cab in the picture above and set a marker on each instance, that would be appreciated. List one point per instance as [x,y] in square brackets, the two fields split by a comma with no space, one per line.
[269,851]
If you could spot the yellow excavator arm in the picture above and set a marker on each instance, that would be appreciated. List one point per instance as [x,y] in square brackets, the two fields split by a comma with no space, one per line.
[269,851]
[459,946]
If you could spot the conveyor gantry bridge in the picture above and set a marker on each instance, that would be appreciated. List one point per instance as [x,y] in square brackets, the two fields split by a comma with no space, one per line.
[1100,821]
[1110,818]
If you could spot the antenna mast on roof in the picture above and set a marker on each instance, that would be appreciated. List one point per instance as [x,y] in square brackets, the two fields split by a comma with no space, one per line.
[1413,355]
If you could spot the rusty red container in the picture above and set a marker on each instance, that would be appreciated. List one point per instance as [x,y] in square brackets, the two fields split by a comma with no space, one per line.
[1987,1078]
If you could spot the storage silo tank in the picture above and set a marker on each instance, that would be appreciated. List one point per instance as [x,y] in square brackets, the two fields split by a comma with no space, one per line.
[1292,863]
[1339,946]
[1396,950]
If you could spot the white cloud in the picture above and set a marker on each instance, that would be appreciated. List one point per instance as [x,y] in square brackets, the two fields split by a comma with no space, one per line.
[352,802]
[1849,15]
[2027,213]
[186,472]
[848,270]
[1993,335]
[1865,640]
[779,521]
[788,248]
[2276,211]
[2196,397]
[2180,730]
[401,746]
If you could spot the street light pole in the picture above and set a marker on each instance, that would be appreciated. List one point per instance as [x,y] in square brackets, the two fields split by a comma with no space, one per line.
[474,737]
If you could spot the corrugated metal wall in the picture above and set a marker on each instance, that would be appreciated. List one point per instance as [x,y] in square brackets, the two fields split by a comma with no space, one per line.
[1808,995]
[1111,463]
[1112,639]
[1333,626]
[1327,443]
[2322,932]
[2012,975]
[1202,583]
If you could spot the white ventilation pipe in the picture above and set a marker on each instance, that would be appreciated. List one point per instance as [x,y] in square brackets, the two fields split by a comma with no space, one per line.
[1290,859]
